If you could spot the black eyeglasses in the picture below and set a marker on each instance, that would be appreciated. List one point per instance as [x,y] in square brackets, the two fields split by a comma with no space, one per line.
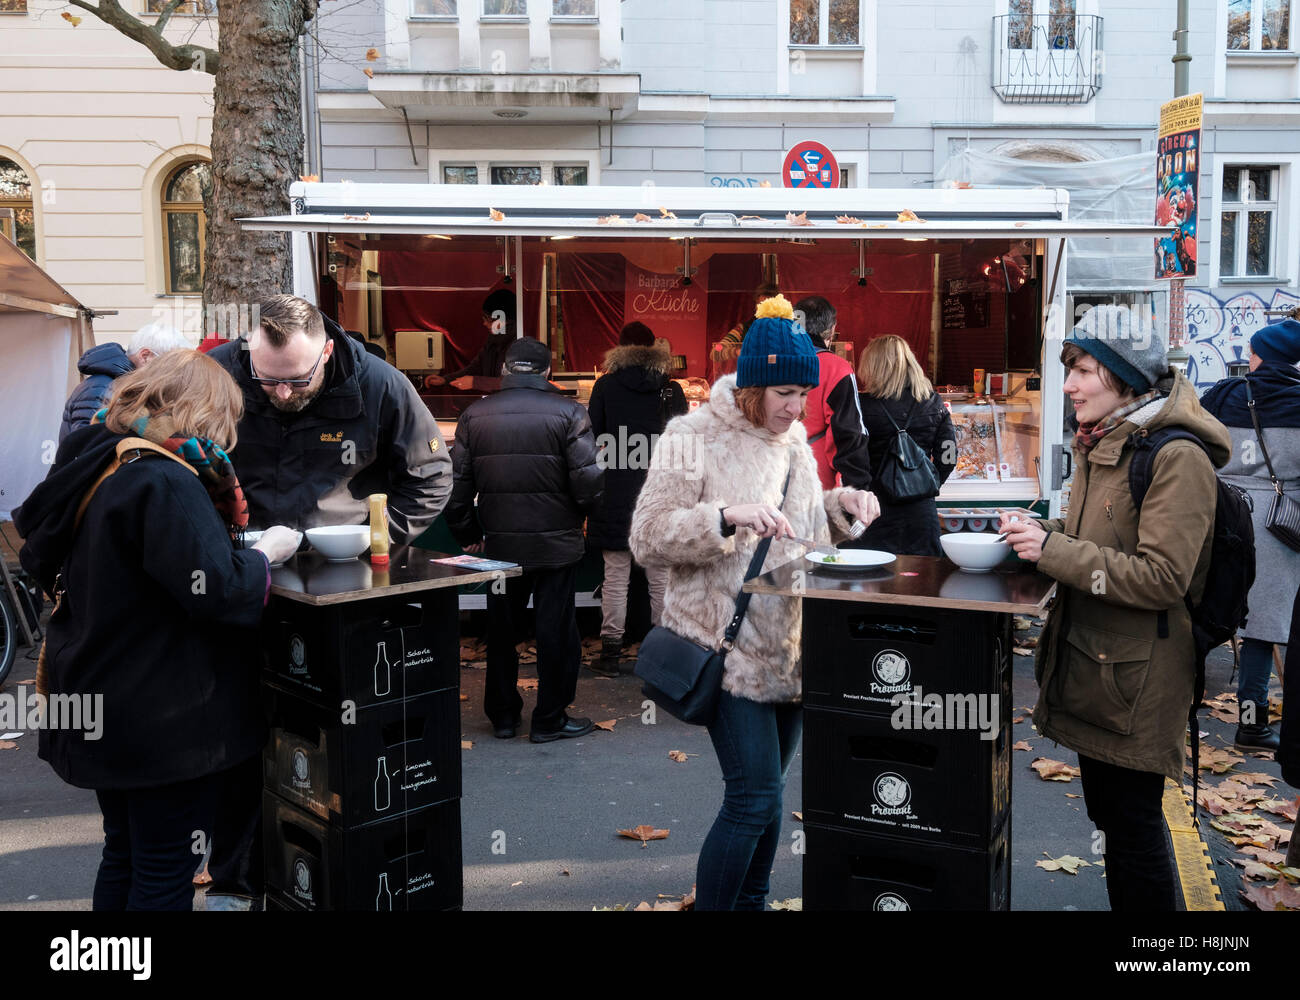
[296,383]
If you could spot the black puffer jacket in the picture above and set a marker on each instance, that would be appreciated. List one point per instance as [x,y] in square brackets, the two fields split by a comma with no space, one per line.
[158,619]
[367,432]
[907,528]
[628,404]
[529,455]
[101,365]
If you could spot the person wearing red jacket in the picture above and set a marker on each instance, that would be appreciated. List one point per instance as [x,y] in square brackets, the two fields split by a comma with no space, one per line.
[834,422]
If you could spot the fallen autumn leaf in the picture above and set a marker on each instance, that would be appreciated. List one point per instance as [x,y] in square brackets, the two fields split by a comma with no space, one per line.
[1054,770]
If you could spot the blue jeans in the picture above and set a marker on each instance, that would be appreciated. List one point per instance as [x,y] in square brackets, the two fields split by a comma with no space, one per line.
[1252,679]
[755,743]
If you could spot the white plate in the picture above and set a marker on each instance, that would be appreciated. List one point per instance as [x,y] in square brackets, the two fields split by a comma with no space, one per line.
[852,559]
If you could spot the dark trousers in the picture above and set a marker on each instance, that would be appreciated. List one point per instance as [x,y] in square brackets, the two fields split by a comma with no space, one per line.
[236,861]
[559,648]
[153,841]
[1125,806]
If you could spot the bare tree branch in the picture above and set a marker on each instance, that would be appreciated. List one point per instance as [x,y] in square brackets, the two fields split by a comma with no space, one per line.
[178,57]
[165,15]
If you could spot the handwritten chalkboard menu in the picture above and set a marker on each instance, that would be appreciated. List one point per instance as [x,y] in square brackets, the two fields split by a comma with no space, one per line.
[965,305]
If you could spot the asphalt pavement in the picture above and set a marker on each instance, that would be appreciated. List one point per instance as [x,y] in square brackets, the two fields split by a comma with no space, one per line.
[540,822]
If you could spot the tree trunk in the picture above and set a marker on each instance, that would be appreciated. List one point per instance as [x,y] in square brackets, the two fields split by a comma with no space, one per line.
[257,151]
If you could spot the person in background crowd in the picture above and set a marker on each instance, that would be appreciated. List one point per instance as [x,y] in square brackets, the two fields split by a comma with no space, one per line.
[834,422]
[528,454]
[1115,660]
[325,425]
[106,362]
[499,319]
[180,695]
[630,403]
[1274,382]
[897,395]
[737,333]
[704,525]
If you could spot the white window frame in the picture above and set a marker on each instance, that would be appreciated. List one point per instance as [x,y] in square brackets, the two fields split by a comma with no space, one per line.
[486,159]
[824,28]
[575,18]
[1257,29]
[1243,208]
[182,10]
[1286,247]
[483,15]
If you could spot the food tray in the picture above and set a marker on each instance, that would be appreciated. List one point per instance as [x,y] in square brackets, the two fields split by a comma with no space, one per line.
[978,518]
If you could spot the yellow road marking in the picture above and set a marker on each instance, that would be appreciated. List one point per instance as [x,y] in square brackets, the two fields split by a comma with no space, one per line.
[1191,855]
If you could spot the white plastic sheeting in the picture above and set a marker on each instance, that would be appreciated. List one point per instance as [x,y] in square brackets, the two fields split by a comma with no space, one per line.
[1115,190]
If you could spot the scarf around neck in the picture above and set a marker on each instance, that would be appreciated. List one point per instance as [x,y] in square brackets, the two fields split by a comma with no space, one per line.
[1088,435]
[204,456]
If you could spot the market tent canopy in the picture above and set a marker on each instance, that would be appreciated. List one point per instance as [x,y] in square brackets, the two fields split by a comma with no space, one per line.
[43,331]
[650,211]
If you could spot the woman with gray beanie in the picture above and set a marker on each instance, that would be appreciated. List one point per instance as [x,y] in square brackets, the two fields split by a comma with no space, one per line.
[1274,385]
[1115,660]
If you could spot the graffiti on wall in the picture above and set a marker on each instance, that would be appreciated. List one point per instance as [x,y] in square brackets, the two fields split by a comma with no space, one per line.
[1219,330]
[718,181]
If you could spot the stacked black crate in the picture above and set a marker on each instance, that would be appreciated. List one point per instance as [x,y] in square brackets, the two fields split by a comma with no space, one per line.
[907,757]
[362,770]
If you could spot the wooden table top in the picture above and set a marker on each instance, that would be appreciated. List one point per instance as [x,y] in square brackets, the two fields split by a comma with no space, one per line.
[309,579]
[920,581]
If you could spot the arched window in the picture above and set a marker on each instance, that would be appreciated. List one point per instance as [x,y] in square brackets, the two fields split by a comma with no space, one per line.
[16,194]
[185,226]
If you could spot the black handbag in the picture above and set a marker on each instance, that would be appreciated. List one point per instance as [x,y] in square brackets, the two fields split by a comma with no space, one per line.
[681,676]
[1283,518]
[906,472]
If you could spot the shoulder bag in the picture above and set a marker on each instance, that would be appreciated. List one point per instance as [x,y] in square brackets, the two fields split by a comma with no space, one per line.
[906,472]
[681,676]
[1283,518]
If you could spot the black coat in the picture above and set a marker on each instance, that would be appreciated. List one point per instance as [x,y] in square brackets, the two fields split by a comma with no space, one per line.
[158,618]
[1288,753]
[627,404]
[908,528]
[101,365]
[367,432]
[528,453]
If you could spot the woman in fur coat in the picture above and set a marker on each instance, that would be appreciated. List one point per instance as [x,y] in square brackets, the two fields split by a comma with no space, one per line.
[713,491]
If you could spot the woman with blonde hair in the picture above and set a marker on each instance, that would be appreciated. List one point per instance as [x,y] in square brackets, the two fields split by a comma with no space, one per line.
[896,397]
[133,531]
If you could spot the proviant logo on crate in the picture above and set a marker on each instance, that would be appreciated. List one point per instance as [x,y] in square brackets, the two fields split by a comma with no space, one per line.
[891,674]
[893,796]
[302,881]
[301,770]
[297,655]
[890,901]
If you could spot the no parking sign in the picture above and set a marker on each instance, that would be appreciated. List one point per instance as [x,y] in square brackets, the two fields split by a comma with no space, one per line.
[810,165]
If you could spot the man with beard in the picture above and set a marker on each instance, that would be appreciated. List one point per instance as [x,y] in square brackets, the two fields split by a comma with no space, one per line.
[325,425]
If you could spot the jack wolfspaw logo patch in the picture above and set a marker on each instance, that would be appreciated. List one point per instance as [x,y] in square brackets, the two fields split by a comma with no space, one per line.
[334,438]
[434,443]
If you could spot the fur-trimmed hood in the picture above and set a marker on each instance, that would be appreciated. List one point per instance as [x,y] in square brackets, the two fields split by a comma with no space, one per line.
[654,359]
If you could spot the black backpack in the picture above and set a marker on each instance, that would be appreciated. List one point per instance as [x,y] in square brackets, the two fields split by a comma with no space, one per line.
[906,472]
[1222,608]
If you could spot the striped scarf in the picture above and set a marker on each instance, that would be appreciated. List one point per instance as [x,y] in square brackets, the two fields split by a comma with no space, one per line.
[1087,436]
[205,457]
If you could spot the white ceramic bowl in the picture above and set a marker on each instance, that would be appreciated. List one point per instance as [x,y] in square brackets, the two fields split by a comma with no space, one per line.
[340,542]
[250,538]
[975,552]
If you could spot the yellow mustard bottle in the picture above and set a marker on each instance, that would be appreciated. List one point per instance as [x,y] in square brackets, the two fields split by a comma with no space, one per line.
[379,529]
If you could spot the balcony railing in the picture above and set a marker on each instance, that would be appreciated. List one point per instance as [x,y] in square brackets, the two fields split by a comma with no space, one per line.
[1047,59]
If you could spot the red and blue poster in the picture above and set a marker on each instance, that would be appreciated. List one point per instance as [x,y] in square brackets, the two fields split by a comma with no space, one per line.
[1178,156]
[810,165]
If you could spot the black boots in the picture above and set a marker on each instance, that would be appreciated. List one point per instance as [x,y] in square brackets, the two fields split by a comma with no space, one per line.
[610,653]
[1257,737]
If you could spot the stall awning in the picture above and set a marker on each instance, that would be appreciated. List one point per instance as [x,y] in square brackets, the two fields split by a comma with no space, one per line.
[740,213]
[24,287]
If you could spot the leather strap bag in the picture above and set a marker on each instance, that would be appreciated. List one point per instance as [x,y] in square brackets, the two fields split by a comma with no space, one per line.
[1283,518]
[906,472]
[681,676]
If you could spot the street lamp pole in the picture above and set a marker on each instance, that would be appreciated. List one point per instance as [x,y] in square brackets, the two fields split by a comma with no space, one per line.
[1177,302]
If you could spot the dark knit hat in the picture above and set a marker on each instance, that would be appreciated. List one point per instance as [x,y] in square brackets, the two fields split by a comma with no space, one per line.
[775,351]
[1279,342]
[1134,353]
[527,357]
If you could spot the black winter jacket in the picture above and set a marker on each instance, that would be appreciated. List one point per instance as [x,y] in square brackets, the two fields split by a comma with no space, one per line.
[629,406]
[367,432]
[158,619]
[908,528]
[528,453]
[101,365]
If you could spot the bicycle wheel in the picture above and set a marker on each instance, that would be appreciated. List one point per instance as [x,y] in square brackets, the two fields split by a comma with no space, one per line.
[8,636]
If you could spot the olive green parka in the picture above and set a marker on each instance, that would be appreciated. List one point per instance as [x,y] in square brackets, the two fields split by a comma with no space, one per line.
[1111,686]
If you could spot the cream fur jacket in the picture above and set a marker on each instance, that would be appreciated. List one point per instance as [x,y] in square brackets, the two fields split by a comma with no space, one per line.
[714,458]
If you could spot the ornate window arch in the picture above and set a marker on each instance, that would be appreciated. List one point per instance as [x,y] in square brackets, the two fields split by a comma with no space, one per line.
[184,225]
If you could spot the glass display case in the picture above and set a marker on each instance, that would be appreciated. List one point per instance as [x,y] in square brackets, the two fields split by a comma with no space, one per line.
[997,448]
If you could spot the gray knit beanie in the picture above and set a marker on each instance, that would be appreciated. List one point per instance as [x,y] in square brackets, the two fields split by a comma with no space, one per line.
[1133,351]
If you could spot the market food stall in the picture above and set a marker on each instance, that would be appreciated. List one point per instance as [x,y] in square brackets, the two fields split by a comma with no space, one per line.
[972,279]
